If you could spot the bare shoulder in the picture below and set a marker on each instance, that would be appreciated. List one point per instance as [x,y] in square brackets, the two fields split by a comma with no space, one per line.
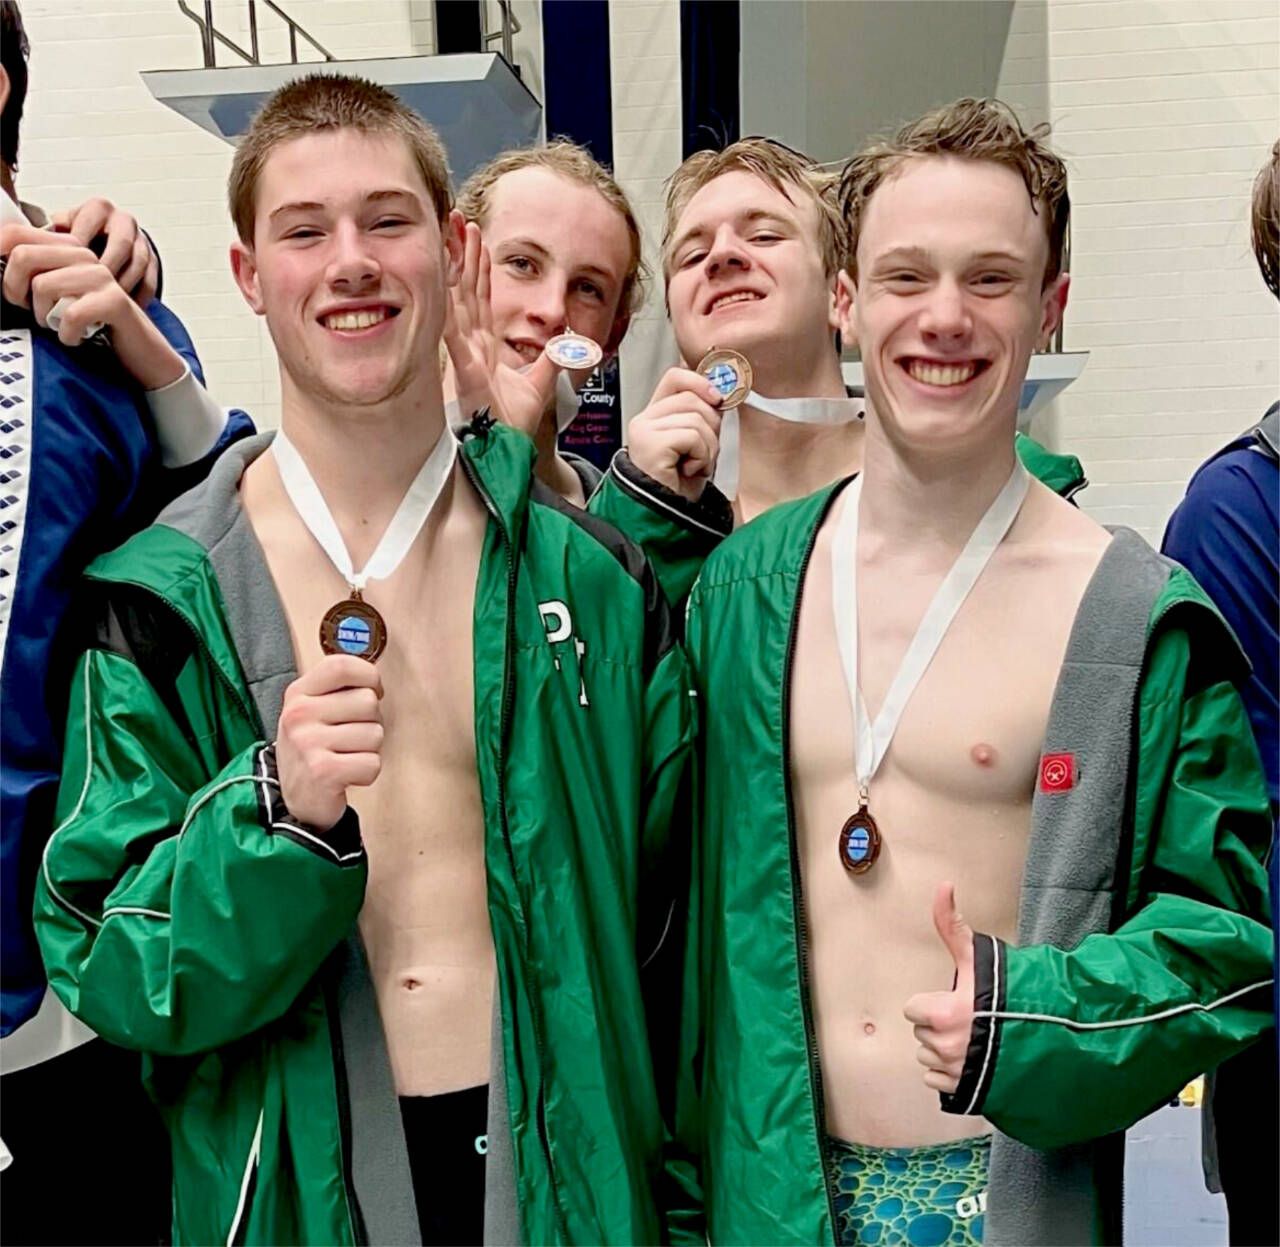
[1056,534]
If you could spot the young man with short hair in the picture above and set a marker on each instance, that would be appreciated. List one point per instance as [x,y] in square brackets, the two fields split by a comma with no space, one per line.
[753,245]
[942,685]
[374,916]
[555,242]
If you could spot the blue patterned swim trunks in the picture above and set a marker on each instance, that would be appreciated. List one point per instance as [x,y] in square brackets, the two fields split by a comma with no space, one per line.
[931,1196]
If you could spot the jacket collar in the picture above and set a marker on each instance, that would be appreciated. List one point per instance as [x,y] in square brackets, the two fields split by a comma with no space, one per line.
[499,461]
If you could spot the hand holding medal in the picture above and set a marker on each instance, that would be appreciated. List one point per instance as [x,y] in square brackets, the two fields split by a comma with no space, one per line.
[330,738]
[734,379]
[676,438]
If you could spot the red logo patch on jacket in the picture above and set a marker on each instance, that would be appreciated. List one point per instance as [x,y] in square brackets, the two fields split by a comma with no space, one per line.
[1057,772]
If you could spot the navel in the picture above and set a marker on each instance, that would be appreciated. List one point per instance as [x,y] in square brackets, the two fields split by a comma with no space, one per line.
[868,1028]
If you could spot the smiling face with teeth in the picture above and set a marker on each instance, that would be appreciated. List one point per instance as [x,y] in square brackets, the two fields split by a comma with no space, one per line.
[349,265]
[746,271]
[950,300]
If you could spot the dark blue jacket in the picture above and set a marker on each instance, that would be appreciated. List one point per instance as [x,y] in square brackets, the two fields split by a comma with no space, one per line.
[80,471]
[1225,532]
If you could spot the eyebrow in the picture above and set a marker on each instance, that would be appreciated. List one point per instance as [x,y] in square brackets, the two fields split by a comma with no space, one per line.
[921,255]
[749,217]
[378,196]
[528,244]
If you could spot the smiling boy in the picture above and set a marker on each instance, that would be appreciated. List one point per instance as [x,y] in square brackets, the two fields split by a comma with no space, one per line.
[371,766]
[944,681]
[753,246]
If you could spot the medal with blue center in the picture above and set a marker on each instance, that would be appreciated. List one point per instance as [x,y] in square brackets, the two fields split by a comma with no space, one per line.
[860,841]
[354,626]
[730,372]
[574,350]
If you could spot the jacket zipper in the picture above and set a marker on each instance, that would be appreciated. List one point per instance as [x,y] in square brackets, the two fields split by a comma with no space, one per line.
[508,697]
[802,930]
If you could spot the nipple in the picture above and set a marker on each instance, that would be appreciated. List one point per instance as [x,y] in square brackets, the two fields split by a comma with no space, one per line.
[983,754]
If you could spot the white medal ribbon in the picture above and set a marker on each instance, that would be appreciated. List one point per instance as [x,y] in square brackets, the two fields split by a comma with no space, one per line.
[872,740]
[795,410]
[405,524]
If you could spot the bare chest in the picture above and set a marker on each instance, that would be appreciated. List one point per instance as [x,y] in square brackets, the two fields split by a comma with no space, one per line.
[972,727]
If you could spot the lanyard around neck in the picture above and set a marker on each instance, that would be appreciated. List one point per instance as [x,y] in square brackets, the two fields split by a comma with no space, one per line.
[794,410]
[872,740]
[405,525]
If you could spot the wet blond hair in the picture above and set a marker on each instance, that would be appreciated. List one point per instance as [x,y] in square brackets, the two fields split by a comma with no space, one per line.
[778,165]
[575,164]
[970,129]
[332,102]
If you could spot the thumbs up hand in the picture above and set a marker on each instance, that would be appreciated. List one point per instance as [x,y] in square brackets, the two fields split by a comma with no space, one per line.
[943,1021]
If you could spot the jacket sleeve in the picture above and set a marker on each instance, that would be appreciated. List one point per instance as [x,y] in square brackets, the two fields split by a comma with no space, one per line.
[675,535]
[190,469]
[1071,1044]
[178,907]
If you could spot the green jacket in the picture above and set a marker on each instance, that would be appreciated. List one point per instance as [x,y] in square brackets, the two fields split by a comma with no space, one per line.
[678,535]
[182,912]
[1143,952]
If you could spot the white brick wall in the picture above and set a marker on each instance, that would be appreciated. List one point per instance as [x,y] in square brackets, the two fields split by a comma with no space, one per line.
[91,127]
[644,55]
[1164,110]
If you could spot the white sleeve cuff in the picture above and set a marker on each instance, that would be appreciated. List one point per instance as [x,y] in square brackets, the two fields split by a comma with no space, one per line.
[188,422]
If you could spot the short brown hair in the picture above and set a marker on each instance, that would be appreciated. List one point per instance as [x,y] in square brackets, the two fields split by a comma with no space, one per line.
[332,102]
[576,164]
[970,129]
[778,165]
[1265,221]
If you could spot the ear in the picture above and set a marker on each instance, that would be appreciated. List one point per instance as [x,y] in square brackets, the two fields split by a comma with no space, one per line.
[846,298]
[453,234]
[1053,303]
[4,88]
[244,268]
[833,305]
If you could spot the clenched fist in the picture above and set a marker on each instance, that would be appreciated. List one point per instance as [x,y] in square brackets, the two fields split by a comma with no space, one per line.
[676,438]
[330,738]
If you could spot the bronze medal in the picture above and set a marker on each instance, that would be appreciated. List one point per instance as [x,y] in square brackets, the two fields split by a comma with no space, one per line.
[859,842]
[730,372]
[353,627]
[574,350]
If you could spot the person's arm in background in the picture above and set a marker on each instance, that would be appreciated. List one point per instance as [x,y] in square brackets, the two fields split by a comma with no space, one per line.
[71,291]
[1224,532]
